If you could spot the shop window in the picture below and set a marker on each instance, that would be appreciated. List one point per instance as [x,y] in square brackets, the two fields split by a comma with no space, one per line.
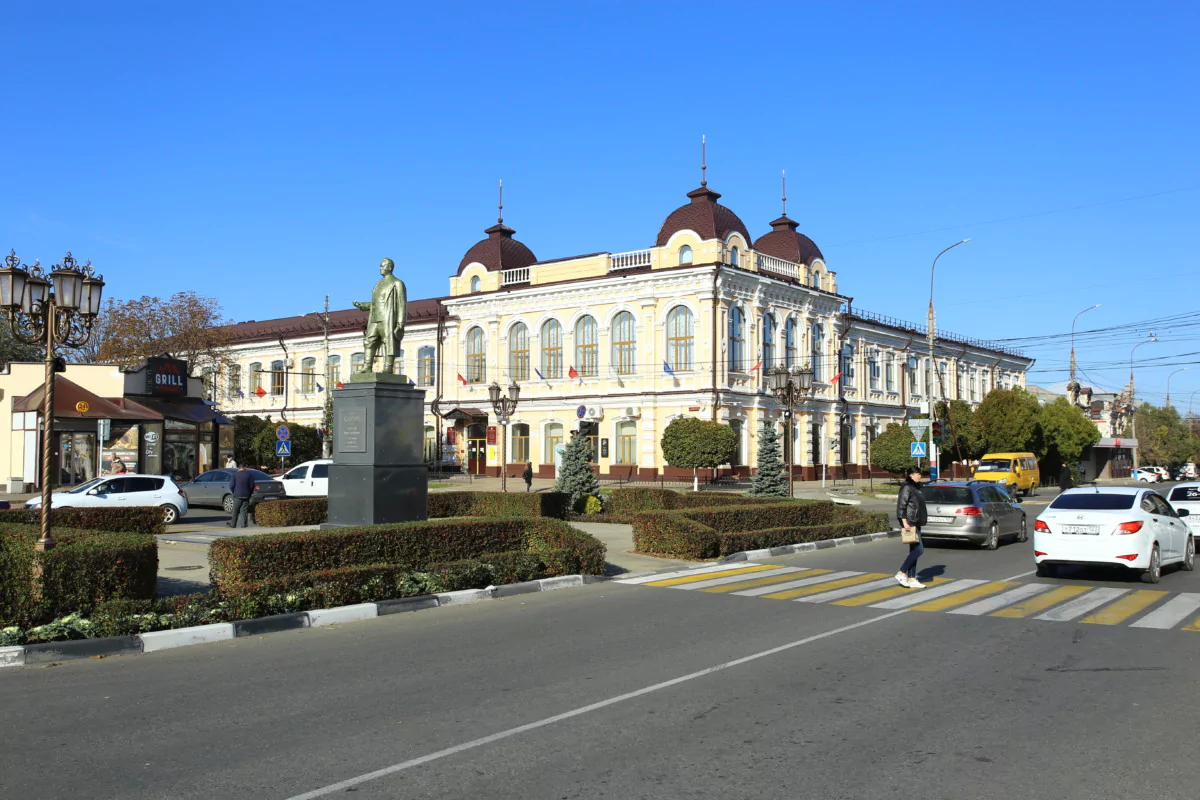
[624,343]
[425,366]
[681,339]
[308,375]
[626,443]
[476,366]
[587,347]
[518,352]
[519,452]
[552,357]
[277,376]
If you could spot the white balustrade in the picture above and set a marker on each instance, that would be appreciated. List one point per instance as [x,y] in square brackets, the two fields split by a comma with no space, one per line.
[634,258]
[776,265]
[511,276]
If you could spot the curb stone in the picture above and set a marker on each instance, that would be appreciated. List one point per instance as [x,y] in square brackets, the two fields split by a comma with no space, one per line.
[806,547]
[50,652]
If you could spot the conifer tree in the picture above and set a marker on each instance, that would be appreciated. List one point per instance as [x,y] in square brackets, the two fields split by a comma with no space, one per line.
[576,479]
[770,480]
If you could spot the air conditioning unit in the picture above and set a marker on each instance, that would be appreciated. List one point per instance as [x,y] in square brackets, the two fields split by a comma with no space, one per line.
[592,412]
[633,411]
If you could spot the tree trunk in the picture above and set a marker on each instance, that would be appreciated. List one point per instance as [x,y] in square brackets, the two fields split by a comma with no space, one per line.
[695,479]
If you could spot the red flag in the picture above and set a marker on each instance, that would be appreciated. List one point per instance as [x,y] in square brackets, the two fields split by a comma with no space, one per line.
[461,379]
[261,392]
[836,377]
[756,366]
[341,385]
[571,373]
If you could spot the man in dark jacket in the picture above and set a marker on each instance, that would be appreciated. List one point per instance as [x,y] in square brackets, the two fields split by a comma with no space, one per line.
[1065,479]
[242,488]
[910,510]
[528,475]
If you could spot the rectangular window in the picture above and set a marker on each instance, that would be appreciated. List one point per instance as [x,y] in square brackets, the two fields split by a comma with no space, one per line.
[333,371]
[520,444]
[873,369]
[626,443]
[554,437]
[308,375]
[889,374]
[425,366]
[277,382]
[235,380]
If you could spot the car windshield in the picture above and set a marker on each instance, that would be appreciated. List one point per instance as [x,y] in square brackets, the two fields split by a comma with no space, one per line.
[994,465]
[1093,501]
[947,494]
[83,487]
[1185,493]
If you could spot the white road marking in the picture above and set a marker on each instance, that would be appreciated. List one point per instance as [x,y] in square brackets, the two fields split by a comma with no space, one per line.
[906,600]
[783,587]
[342,786]
[990,604]
[745,576]
[1082,604]
[1022,575]
[849,591]
[681,573]
[1171,613]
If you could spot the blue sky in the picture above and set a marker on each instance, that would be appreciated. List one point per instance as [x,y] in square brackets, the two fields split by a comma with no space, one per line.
[269,153]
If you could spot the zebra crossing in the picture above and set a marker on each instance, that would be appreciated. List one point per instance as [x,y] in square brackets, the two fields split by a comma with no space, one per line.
[1090,605]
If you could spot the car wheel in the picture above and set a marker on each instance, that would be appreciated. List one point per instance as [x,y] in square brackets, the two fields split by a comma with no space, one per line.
[170,514]
[1189,554]
[227,503]
[1153,574]
[1046,570]
[993,539]
[1023,536]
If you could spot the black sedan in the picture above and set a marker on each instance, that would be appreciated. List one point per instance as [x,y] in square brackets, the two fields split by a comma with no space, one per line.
[213,489]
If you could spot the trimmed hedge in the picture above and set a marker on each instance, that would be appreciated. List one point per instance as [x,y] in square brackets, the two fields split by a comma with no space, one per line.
[285,513]
[637,499]
[119,520]
[410,545]
[498,504]
[728,543]
[85,568]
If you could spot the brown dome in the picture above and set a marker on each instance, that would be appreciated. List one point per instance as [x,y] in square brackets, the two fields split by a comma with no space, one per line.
[499,251]
[785,242]
[705,216]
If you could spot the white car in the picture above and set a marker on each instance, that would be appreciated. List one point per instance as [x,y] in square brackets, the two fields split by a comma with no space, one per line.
[1112,526]
[1145,474]
[1186,497]
[123,491]
[310,479]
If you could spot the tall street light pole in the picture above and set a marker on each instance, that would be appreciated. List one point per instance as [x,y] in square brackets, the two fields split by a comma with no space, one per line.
[323,318]
[932,331]
[1181,369]
[504,407]
[1133,395]
[1077,316]
[790,387]
[55,312]
[1190,396]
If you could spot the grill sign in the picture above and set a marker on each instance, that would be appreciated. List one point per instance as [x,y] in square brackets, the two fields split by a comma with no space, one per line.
[166,376]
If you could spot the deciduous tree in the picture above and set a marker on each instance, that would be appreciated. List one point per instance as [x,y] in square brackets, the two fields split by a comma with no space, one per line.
[892,450]
[1008,420]
[697,444]
[1066,432]
[187,325]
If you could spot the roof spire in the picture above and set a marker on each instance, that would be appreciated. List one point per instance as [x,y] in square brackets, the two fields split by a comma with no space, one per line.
[703,159]
[500,218]
[785,192]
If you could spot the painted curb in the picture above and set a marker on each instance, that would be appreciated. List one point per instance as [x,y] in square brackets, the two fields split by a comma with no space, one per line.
[279,622]
[332,616]
[50,652]
[793,549]
[181,637]
[404,604]
[12,656]
[465,596]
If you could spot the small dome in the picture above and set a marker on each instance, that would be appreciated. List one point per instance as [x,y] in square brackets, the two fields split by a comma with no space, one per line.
[499,251]
[785,242]
[705,216]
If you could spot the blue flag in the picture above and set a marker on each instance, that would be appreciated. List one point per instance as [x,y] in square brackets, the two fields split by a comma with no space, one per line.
[240,393]
[320,388]
[539,373]
[667,369]
[411,382]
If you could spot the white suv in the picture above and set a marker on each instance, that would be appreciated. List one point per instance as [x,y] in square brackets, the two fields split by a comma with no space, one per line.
[310,479]
[123,491]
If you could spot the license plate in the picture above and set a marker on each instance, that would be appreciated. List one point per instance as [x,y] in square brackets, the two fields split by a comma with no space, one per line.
[1091,530]
[941,519]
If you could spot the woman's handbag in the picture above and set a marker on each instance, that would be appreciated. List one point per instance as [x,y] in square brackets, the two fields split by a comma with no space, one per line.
[909,535]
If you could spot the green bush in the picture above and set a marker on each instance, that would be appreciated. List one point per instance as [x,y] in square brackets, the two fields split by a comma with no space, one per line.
[801,513]
[497,504]
[117,520]
[563,549]
[728,543]
[592,504]
[636,499]
[85,568]
[670,533]
[285,513]
[512,567]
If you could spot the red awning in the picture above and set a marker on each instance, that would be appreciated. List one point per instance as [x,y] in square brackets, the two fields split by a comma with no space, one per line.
[67,397]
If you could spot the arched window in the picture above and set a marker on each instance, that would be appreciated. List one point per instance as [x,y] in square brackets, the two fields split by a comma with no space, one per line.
[520,444]
[849,355]
[475,284]
[737,339]
[817,346]
[553,437]
[431,448]
[960,384]
[943,384]
[333,371]
[789,344]
[255,376]
[587,347]
[356,362]
[308,375]
[235,380]
[733,256]
[680,339]
[552,356]
[476,368]
[889,372]
[816,278]
[913,383]
[768,346]
[624,343]
[518,352]
[626,442]
[425,366]
[277,378]
[685,254]
[974,386]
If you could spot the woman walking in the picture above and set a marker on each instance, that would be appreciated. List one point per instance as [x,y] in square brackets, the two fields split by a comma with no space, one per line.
[910,509]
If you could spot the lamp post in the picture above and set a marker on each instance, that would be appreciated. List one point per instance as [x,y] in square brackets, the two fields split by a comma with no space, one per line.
[1181,369]
[504,407]
[326,444]
[1133,395]
[1077,316]
[790,387]
[55,312]
[1190,396]
[932,330]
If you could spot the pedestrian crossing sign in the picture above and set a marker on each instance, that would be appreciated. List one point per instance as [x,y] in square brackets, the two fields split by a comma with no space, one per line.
[283,448]
[917,450]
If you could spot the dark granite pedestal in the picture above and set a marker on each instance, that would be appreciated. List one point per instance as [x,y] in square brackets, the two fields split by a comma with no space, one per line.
[378,473]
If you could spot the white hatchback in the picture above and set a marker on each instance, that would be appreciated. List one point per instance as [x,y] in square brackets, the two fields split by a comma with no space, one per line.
[310,479]
[1186,497]
[1112,526]
[122,491]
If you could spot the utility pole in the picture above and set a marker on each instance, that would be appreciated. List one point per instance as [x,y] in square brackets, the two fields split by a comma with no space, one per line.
[1077,316]
[1133,396]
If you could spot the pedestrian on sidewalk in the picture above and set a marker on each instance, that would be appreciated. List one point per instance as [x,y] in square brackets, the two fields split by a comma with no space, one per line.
[1065,479]
[528,475]
[910,509]
[230,463]
[242,488]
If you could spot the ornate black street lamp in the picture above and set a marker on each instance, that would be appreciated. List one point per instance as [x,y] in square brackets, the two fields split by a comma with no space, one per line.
[790,387]
[504,407]
[54,313]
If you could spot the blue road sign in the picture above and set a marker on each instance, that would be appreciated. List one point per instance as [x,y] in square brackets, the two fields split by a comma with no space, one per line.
[282,433]
[283,448]
[917,450]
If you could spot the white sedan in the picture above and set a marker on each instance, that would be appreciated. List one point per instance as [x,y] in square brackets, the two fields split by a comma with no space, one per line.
[1112,526]
[123,491]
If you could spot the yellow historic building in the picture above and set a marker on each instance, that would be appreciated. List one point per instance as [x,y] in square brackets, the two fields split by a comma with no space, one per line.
[616,345]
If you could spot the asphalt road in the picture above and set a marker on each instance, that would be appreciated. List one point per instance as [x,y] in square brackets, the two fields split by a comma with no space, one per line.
[602,691]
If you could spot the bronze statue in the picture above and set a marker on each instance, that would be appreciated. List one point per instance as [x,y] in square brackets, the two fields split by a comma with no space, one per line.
[385,322]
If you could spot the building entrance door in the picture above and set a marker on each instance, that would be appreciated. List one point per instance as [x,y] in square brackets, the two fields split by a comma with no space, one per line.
[476,449]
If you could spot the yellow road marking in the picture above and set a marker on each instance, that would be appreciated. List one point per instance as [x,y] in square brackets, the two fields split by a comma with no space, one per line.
[704,576]
[1194,625]
[965,596]
[1124,608]
[828,586]
[883,594]
[750,584]
[1041,602]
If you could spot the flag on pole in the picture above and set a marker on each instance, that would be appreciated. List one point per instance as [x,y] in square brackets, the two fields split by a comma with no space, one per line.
[320,388]
[572,373]
[461,379]
[667,369]
[240,393]
[341,385]
[538,372]
[412,383]
[756,366]
[836,377]
[261,392]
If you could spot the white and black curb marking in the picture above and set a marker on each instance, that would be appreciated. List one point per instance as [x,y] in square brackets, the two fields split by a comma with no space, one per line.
[807,547]
[52,652]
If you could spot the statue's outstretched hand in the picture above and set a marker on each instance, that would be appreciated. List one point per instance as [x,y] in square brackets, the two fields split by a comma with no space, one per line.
[362,306]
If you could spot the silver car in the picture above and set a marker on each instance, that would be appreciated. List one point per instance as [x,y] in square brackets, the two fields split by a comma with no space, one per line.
[977,511]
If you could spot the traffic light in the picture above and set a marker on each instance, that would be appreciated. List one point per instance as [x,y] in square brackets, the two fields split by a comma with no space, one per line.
[937,432]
